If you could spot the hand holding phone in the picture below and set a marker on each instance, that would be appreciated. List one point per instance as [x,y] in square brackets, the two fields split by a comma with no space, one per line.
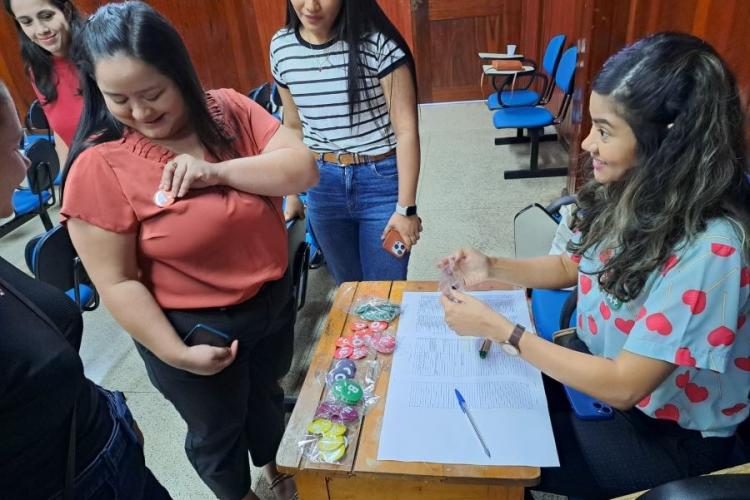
[202,334]
[394,243]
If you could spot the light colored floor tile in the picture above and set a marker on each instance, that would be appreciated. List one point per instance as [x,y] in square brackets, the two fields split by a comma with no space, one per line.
[463,201]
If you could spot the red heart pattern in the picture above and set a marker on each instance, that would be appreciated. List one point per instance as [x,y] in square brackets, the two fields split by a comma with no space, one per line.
[734,409]
[721,336]
[683,357]
[672,261]
[604,310]
[668,412]
[641,313]
[584,283]
[592,326]
[682,380]
[696,393]
[741,321]
[575,258]
[580,321]
[696,299]
[644,402]
[605,256]
[624,325]
[659,323]
[742,363]
[722,250]
[745,276]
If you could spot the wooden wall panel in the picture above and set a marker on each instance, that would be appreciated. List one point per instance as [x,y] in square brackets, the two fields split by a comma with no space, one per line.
[448,36]
[399,12]
[613,24]
[442,10]
[227,39]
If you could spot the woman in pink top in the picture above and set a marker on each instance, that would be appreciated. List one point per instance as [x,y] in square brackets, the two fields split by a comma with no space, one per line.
[172,197]
[45,30]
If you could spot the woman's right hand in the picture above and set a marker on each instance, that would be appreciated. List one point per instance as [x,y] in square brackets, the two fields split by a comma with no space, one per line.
[206,359]
[293,208]
[469,264]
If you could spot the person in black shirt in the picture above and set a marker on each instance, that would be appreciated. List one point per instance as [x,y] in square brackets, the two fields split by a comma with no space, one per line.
[61,435]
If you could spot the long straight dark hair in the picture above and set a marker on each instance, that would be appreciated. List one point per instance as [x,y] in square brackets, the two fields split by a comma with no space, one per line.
[136,30]
[683,105]
[38,61]
[356,20]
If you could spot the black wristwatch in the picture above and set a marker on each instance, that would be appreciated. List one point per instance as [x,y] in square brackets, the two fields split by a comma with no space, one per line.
[407,211]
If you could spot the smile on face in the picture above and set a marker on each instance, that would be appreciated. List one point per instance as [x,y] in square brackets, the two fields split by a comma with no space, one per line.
[140,97]
[44,24]
[611,142]
[317,17]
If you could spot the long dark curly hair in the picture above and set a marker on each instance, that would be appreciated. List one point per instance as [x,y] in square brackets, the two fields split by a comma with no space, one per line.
[39,61]
[683,105]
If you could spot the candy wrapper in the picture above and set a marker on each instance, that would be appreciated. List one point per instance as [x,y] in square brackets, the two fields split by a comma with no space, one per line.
[451,279]
[350,393]
[375,309]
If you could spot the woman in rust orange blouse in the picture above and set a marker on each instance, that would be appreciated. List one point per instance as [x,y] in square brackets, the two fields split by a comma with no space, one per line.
[172,197]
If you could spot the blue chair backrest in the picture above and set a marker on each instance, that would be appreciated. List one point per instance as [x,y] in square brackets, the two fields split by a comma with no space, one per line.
[566,70]
[552,54]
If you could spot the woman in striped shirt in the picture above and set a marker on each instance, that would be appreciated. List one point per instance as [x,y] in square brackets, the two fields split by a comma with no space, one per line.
[347,84]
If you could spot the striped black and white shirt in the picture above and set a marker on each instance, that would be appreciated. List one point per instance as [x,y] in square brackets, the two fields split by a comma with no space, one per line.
[315,75]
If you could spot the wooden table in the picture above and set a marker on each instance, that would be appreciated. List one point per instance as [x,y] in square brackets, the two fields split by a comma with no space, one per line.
[361,475]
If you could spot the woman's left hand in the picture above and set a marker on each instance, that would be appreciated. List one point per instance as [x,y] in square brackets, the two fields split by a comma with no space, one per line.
[185,172]
[467,315]
[408,227]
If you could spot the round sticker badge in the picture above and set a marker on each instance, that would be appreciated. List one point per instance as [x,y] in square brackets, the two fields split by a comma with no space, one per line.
[163,199]
[359,352]
[378,326]
[386,344]
[334,456]
[347,391]
[330,442]
[347,364]
[343,352]
[319,426]
[344,341]
[358,325]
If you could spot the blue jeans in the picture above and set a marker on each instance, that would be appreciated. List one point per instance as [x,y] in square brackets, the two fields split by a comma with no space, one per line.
[348,210]
[119,471]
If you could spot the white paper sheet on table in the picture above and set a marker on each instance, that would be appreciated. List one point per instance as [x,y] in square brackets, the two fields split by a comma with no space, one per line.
[422,420]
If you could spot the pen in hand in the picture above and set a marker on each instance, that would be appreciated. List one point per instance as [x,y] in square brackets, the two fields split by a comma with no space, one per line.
[465,409]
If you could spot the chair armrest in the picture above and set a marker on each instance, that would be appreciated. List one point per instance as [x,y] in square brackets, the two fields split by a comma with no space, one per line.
[509,80]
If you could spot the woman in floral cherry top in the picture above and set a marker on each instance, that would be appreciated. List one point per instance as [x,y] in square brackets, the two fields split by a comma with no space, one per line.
[661,261]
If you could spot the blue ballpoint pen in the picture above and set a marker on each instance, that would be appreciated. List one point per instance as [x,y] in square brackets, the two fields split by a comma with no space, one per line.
[465,409]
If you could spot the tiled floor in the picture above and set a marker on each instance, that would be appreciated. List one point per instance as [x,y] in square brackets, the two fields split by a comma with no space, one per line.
[463,201]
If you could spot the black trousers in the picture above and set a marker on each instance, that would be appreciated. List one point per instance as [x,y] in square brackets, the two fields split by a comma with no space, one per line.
[631,452]
[239,409]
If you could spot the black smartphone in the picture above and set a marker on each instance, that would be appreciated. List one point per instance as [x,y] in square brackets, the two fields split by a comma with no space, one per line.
[206,335]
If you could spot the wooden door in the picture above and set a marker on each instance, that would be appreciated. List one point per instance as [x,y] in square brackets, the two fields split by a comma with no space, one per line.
[447,36]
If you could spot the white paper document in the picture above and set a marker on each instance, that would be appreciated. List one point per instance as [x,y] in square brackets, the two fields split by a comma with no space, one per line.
[423,421]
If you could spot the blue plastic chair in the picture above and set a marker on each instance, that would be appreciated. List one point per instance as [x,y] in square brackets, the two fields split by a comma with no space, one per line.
[51,258]
[36,119]
[526,96]
[535,118]
[35,199]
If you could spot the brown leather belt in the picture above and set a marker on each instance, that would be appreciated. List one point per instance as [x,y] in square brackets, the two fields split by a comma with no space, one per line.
[346,159]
